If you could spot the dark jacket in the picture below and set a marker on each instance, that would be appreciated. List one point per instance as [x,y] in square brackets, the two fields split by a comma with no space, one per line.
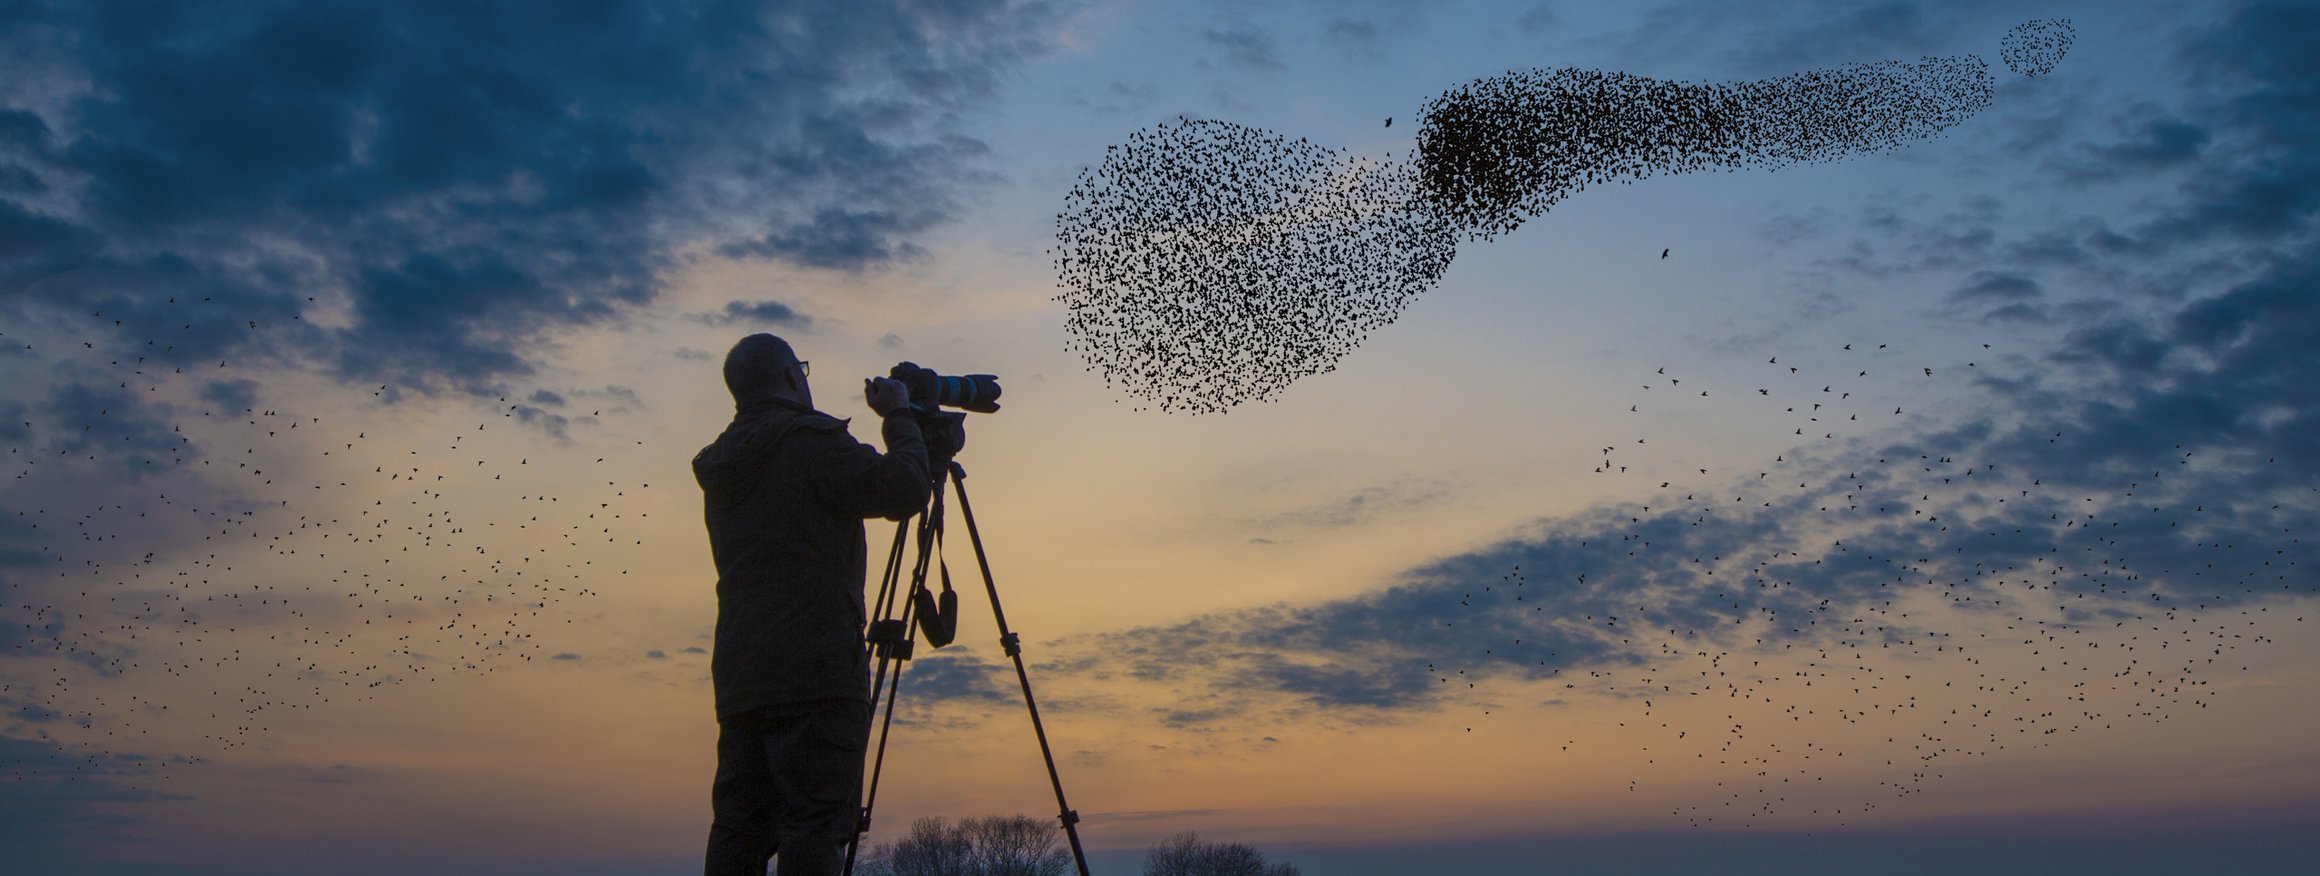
[786,490]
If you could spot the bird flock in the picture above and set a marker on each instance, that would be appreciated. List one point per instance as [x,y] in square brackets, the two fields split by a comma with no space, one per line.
[183,569]
[2032,48]
[1848,622]
[1500,150]
[1210,264]
[1206,264]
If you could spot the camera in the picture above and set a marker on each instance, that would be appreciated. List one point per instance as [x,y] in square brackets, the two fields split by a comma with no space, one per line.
[972,392]
[946,431]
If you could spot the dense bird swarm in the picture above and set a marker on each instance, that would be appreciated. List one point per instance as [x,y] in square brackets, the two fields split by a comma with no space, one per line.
[1497,151]
[2032,48]
[1208,264]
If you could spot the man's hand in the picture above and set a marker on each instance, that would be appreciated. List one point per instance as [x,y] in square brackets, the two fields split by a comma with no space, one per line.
[885,395]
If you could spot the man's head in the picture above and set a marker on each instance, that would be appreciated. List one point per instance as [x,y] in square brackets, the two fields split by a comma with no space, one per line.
[763,367]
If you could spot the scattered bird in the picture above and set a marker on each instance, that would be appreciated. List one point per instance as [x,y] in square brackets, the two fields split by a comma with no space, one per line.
[1872,620]
[235,562]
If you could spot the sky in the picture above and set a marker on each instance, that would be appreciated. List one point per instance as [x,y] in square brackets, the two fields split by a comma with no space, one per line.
[1599,553]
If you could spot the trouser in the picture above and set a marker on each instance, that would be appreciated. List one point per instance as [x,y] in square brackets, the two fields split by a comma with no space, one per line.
[789,781]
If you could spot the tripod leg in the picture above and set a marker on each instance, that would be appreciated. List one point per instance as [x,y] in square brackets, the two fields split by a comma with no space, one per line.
[1013,645]
[893,638]
[884,607]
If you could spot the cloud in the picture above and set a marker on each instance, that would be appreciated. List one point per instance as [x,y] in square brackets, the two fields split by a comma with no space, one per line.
[231,396]
[1244,47]
[1350,30]
[1612,586]
[2053,248]
[954,674]
[1362,506]
[115,427]
[2027,314]
[1996,287]
[15,429]
[620,395]
[758,313]
[457,182]
[846,239]
[2266,185]
[1380,650]
[2123,348]
[1118,97]
[2222,371]
[556,426]
[2153,145]
[23,130]
[1537,19]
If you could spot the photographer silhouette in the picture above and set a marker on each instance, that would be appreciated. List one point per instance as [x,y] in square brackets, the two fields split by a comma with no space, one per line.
[785,491]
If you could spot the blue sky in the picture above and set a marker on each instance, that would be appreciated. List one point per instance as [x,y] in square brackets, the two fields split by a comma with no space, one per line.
[2058,360]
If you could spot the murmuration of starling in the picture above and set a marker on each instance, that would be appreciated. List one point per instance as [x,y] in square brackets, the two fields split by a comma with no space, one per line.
[1497,151]
[2032,48]
[1206,264]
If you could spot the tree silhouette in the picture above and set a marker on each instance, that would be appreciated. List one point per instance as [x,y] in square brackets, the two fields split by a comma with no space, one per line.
[993,845]
[1185,854]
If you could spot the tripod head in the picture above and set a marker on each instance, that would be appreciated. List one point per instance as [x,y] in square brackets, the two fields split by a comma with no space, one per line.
[946,434]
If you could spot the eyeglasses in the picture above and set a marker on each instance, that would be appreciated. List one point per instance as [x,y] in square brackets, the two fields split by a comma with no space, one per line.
[805,369]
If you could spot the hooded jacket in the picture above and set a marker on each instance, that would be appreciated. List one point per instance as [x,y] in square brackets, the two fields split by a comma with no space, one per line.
[785,490]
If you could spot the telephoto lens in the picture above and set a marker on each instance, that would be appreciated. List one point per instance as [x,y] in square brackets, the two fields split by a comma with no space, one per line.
[971,392]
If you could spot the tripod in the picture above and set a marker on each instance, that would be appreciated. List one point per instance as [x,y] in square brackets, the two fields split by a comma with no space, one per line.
[893,635]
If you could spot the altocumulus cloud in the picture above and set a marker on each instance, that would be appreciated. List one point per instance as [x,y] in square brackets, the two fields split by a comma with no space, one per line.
[412,194]
[757,313]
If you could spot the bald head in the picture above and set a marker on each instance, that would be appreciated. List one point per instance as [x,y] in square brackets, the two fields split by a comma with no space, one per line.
[761,367]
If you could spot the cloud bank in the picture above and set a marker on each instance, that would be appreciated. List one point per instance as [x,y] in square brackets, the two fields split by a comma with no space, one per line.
[415,195]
